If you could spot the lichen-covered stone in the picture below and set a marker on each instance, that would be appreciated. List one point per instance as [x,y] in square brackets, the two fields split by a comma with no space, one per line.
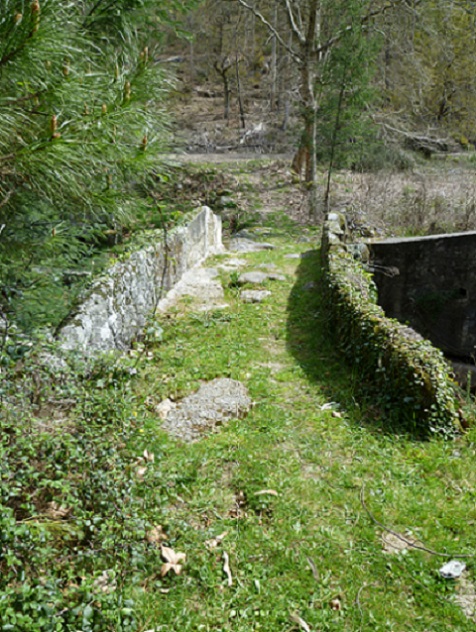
[254,296]
[119,303]
[214,404]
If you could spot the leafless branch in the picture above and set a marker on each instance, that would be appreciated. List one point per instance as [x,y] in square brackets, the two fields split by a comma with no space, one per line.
[269,26]
[297,32]
[408,542]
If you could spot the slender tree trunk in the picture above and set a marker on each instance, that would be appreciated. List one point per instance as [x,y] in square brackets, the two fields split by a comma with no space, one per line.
[238,89]
[306,155]
[222,69]
[333,146]
[227,93]
[274,64]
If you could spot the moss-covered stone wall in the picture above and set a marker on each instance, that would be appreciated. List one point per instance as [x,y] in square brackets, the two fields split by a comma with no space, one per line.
[410,377]
[118,304]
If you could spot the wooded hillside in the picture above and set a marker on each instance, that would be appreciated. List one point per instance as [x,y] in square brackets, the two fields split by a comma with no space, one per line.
[84,94]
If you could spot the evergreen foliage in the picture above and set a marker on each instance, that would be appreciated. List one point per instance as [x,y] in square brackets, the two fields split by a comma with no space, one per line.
[345,89]
[82,124]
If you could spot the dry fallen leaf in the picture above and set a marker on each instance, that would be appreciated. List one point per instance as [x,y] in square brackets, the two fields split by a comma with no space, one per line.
[297,619]
[106,582]
[328,406]
[214,542]
[57,512]
[140,473]
[313,567]
[164,408]
[226,568]
[156,535]
[172,561]
[148,456]
[269,492]
[335,604]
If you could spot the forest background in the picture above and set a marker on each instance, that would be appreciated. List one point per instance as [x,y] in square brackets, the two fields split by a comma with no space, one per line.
[87,90]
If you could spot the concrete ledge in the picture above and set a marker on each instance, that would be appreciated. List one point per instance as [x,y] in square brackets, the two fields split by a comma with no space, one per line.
[409,376]
[118,303]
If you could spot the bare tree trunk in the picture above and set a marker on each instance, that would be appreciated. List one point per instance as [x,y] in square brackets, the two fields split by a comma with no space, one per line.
[274,64]
[310,106]
[238,89]
[222,69]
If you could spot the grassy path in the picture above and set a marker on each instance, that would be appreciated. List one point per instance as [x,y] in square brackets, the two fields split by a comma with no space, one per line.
[289,488]
[281,515]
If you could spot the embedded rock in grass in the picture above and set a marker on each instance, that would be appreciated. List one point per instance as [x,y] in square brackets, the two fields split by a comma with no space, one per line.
[465,596]
[213,405]
[232,264]
[202,285]
[248,245]
[254,278]
[254,296]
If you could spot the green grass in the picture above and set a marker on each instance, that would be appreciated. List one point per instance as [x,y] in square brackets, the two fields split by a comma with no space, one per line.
[308,550]
[319,463]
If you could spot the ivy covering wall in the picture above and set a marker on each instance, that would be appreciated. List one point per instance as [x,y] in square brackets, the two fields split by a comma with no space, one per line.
[410,377]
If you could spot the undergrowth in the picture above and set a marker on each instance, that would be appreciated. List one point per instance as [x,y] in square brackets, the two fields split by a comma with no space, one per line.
[298,494]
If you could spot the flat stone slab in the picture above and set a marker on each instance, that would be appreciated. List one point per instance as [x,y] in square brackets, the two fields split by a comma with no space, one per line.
[293,256]
[202,285]
[254,296]
[203,412]
[248,245]
[253,278]
[256,278]
[267,266]
[232,264]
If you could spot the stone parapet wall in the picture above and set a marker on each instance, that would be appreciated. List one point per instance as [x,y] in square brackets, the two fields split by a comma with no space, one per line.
[119,303]
[409,376]
[433,287]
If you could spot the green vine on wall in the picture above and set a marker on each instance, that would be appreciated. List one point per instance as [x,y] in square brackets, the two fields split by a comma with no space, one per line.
[410,376]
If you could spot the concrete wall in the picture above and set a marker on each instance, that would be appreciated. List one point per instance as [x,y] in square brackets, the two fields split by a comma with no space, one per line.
[118,304]
[430,282]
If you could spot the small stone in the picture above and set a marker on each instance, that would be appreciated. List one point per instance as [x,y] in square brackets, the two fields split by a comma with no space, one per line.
[247,245]
[244,234]
[254,296]
[232,264]
[254,278]
[276,277]
[225,201]
[295,255]
[209,408]
[267,266]
[164,408]
[452,570]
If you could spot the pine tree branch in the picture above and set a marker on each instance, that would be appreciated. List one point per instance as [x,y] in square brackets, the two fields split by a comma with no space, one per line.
[94,8]
[5,201]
